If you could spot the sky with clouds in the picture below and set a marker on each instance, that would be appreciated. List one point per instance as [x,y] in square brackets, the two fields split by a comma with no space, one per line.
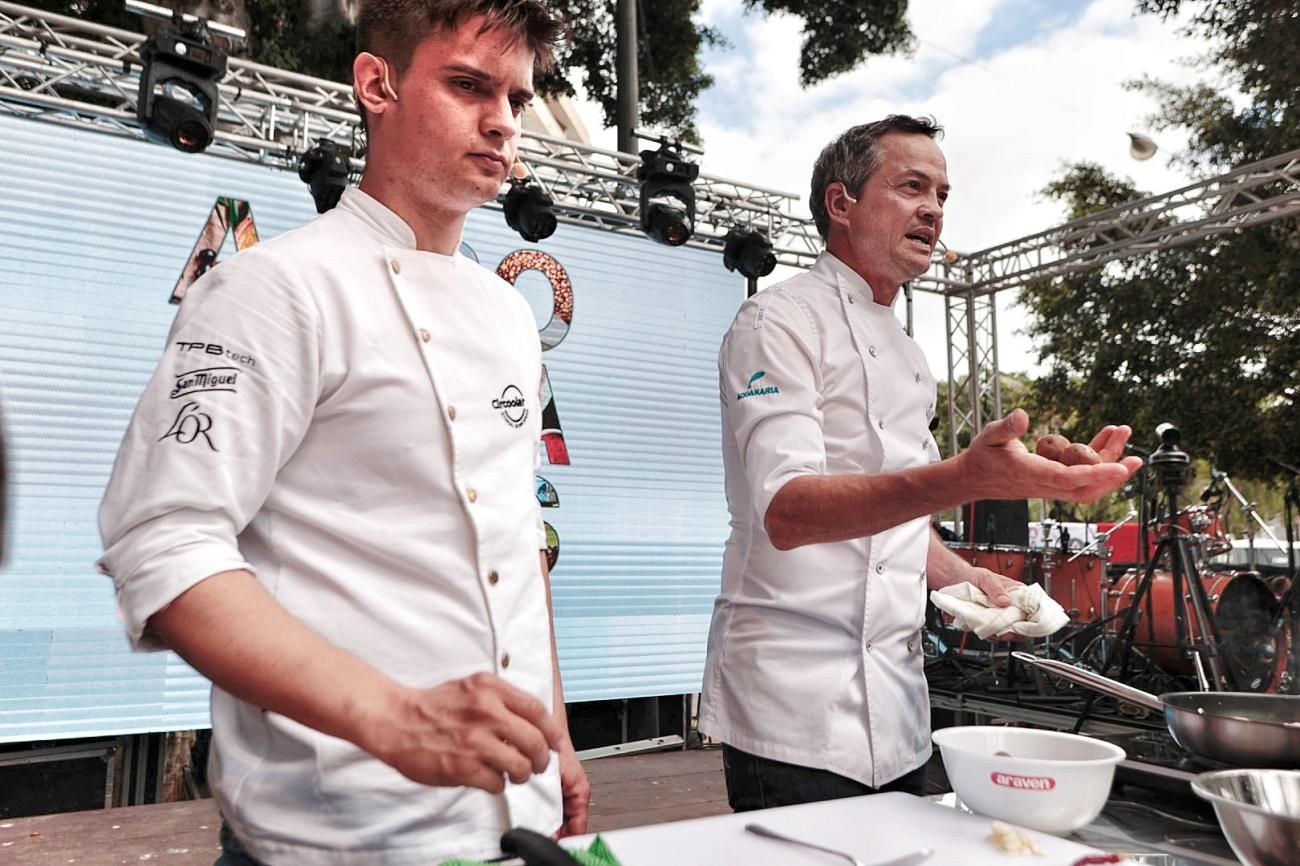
[1021,86]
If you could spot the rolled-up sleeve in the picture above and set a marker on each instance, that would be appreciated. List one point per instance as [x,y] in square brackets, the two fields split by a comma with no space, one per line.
[771,387]
[228,404]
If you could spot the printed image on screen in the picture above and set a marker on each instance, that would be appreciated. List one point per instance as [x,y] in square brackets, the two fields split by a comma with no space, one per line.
[226,213]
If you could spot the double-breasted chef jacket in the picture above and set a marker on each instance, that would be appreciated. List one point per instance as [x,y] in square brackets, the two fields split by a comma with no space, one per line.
[356,422]
[814,653]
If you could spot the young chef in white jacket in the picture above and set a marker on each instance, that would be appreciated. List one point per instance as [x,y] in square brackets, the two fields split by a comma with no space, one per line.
[325,499]
[814,679]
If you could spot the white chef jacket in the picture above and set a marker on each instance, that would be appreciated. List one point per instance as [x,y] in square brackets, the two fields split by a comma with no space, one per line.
[356,422]
[814,653]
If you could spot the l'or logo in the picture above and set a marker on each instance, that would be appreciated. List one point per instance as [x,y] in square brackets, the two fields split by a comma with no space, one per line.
[189,425]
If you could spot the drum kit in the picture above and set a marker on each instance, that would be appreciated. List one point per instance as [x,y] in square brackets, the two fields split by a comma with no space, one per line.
[1252,639]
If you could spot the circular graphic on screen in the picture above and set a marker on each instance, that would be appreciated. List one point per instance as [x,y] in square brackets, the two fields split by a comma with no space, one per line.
[520,261]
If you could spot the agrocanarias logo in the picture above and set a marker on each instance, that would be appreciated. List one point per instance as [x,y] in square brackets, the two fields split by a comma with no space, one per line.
[751,391]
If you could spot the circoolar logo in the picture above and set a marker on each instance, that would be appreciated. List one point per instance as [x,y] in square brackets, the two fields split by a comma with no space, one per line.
[1023,783]
[512,407]
[751,391]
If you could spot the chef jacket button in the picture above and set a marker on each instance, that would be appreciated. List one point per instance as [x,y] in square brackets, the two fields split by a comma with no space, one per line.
[451,412]
[424,335]
[881,423]
[880,568]
[911,645]
[917,376]
[850,299]
[871,350]
[923,575]
[868,646]
[505,660]
[395,265]
[493,577]
[471,494]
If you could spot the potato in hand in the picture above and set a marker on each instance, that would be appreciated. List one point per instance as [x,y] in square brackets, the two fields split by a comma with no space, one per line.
[1052,446]
[1078,454]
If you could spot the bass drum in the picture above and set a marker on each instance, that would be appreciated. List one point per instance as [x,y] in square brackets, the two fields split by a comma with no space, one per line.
[1017,563]
[1253,646]
[1075,584]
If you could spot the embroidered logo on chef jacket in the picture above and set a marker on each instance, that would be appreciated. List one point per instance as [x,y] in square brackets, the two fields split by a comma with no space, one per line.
[227,352]
[511,405]
[205,379]
[190,425]
[751,391]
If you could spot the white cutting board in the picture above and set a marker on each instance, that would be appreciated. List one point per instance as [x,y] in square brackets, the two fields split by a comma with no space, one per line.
[872,828]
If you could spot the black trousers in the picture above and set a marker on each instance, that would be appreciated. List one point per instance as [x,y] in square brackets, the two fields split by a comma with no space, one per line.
[761,783]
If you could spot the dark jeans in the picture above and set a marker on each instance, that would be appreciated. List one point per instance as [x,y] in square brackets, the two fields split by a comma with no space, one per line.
[233,853]
[761,783]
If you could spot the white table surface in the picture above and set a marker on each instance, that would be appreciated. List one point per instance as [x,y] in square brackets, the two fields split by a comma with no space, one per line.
[872,828]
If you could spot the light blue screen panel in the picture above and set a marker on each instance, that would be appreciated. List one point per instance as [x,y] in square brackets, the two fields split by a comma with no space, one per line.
[94,231]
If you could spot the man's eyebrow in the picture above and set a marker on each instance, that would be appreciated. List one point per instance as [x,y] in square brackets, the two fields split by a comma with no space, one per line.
[924,175]
[482,77]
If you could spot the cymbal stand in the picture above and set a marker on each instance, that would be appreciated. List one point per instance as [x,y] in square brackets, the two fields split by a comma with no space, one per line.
[1103,537]
[1247,508]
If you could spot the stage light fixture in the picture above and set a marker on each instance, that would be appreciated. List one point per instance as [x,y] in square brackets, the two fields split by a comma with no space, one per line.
[530,211]
[667,197]
[325,170]
[1141,147]
[180,69]
[748,251]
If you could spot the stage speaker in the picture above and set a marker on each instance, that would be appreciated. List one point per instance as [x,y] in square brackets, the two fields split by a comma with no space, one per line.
[996,521]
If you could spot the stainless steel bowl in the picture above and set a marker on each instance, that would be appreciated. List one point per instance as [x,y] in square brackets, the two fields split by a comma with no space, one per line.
[1259,811]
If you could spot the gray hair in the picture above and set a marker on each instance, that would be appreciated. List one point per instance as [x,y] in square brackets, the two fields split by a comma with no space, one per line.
[851,159]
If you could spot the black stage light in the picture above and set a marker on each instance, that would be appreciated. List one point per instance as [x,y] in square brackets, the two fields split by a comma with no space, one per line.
[748,251]
[667,198]
[180,69]
[325,170]
[530,211]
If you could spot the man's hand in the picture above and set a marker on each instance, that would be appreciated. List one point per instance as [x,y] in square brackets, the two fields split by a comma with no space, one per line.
[995,586]
[577,793]
[998,466]
[992,584]
[477,731]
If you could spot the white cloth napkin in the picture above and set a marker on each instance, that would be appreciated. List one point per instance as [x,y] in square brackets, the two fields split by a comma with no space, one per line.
[1033,613]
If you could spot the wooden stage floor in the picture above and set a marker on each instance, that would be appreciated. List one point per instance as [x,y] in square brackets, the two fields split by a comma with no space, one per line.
[627,791]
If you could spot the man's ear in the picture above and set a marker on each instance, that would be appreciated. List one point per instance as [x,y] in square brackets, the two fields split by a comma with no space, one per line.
[374,94]
[838,202]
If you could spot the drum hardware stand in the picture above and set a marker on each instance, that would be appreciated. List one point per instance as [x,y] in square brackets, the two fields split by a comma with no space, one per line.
[1171,466]
[1104,537]
[1248,509]
[1289,604]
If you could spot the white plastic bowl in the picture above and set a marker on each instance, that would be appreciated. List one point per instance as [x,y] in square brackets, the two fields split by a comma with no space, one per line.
[1048,781]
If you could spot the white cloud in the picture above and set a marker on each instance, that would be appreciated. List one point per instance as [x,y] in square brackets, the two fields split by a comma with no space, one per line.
[1013,116]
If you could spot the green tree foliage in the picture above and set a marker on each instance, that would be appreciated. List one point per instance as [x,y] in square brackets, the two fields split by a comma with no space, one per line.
[1206,336]
[670,75]
[837,36]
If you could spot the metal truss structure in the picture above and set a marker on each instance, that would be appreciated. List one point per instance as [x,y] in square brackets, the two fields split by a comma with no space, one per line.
[62,70]
[59,69]
[1250,195]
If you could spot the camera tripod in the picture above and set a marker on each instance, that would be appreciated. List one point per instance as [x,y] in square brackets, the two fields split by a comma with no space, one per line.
[1189,599]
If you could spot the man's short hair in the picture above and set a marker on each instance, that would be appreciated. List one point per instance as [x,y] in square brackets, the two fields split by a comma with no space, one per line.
[851,159]
[393,28]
